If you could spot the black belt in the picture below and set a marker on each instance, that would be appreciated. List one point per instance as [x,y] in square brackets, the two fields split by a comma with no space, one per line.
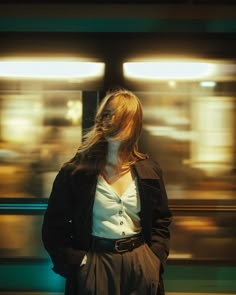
[116,245]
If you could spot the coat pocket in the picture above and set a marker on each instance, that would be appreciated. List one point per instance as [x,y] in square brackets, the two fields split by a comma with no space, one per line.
[74,256]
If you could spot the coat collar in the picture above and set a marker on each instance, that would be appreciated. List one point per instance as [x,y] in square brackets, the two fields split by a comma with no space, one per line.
[145,170]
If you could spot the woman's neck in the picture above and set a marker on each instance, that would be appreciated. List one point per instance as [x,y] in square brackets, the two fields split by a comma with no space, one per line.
[113,153]
[115,165]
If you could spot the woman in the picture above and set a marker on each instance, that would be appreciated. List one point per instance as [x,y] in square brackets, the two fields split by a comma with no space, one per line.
[106,227]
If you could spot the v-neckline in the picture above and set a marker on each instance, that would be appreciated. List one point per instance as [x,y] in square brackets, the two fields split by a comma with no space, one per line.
[113,189]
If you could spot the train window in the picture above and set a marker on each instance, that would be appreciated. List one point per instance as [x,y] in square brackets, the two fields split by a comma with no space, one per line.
[189,127]
[40,129]
[191,132]
[41,106]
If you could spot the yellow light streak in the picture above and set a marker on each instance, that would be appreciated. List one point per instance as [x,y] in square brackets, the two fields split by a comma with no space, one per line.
[50,69]
[208,84]
[167,70]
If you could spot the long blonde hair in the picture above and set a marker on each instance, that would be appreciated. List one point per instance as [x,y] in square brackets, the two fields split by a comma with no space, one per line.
[127,127]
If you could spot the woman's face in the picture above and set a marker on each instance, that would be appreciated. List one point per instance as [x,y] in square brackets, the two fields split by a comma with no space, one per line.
[119,120]
[107,122]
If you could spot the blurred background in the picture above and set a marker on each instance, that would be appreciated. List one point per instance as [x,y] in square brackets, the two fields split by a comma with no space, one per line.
[56,63]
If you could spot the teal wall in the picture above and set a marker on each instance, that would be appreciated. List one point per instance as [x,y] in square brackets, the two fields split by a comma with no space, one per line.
[116,25]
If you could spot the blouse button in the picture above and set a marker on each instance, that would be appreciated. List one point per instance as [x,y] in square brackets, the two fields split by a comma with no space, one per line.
[123,233]
[120,212]
[121,222]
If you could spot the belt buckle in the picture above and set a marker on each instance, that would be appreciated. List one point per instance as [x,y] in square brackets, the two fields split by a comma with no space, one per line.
[130,245]
[116,246]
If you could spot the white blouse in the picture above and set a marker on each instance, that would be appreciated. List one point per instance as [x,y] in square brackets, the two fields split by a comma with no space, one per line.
[116,216]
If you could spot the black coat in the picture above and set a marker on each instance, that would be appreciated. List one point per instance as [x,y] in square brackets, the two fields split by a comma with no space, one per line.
[67,222]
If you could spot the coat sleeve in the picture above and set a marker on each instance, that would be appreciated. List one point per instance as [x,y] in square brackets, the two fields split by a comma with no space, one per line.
[57,230]
[162,218]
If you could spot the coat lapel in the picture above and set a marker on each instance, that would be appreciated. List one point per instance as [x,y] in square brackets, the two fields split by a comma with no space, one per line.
[145,171]
[149,189]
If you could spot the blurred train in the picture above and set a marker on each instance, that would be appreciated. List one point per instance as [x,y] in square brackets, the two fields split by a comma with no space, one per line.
[50,86]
